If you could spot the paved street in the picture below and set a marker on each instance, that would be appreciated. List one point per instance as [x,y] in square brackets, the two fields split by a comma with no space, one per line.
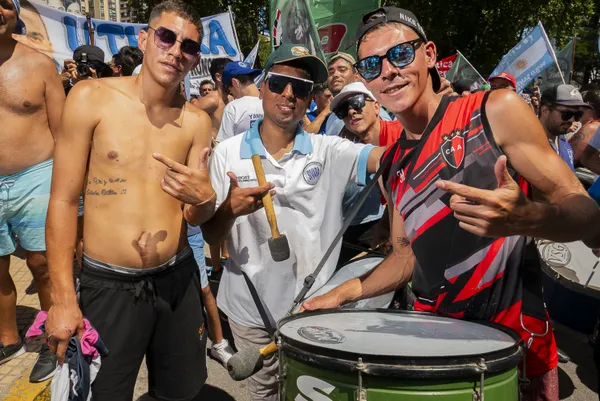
[577,378]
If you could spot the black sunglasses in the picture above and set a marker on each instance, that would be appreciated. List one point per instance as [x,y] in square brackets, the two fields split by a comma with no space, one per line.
[400,56]
[566,115]
[165,38]
[302,88]
[356,102]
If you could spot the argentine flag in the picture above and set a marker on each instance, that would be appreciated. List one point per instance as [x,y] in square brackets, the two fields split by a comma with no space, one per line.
[528,59]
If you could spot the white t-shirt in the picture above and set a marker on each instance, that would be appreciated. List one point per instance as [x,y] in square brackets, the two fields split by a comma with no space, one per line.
[310,182]
[239,115]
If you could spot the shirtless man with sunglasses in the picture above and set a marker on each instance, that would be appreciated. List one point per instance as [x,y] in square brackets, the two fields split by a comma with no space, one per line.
[147,152]
[460,218]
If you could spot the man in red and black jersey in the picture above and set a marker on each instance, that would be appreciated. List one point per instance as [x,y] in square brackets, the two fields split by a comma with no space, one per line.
[460,221]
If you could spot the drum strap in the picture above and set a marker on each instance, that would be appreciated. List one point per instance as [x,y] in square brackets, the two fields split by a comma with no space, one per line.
[310,279]
[262,309]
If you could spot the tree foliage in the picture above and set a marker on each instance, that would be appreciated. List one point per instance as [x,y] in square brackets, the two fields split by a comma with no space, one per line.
[486,30]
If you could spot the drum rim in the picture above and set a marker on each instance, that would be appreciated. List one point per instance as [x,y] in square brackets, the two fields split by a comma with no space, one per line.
[565,282]
[406,367]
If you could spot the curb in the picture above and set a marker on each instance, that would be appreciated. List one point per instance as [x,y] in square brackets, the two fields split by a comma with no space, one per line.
[22,390]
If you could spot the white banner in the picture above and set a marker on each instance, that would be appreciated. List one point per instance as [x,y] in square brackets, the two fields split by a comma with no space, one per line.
[57,34]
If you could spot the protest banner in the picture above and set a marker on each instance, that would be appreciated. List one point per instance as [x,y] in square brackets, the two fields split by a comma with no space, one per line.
[462,69]
[445,64]
[529,58]
[57,34]
[554,74]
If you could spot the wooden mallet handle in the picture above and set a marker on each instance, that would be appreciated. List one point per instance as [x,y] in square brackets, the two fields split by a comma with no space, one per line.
[268,349]
[267,200]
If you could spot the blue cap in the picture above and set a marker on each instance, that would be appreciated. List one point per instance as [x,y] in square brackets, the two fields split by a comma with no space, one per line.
[236,68]
[20,27]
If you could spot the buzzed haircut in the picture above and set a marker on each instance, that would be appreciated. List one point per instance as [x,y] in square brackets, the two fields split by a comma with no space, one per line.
[217,66]
[320,88]
[206,82]
[180,9]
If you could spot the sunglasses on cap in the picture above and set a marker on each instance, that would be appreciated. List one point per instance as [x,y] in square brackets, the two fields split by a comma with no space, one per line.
[165,38]
[399,56]
[277,83]
[356,102]
[566,115]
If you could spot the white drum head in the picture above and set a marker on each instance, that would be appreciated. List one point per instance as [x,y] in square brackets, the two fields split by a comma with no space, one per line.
[353,270]
[395,334]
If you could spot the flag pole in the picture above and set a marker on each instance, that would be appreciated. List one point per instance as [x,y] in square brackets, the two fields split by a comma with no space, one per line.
[573,59]
[88,17]
[549,46]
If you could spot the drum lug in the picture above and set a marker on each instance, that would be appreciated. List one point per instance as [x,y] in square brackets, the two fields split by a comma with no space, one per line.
[361,394]
[280,376]
[479,395]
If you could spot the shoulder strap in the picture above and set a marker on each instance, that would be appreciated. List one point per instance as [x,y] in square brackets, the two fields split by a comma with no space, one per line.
[262,309]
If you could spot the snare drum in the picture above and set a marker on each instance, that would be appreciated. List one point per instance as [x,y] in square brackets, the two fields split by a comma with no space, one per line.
[353,270]
[378,355]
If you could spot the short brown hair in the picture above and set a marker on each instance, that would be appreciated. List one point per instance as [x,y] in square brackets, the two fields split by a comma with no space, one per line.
[179,8]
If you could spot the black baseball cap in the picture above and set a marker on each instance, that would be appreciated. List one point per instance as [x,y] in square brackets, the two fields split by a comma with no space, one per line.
[394,14]
[290,52]
[91,53]
[564,95]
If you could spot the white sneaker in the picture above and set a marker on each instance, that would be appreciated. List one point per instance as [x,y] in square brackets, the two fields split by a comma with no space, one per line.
[222,352]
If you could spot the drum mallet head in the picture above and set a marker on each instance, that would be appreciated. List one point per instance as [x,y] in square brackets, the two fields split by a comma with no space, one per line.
[248,361]
[280,248]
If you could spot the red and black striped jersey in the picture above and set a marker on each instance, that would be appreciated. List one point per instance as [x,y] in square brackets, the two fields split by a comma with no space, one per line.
[457,273]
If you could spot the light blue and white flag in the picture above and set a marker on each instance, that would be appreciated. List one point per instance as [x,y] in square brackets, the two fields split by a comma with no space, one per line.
[529,58]
[251,57]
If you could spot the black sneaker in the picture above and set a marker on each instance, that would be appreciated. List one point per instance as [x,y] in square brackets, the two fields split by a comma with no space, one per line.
[8,352]
[45,366]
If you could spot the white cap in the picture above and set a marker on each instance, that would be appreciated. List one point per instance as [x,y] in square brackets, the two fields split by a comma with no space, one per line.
[348,91]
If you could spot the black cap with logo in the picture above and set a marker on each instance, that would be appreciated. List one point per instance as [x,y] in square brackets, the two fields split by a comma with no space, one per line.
[394,14]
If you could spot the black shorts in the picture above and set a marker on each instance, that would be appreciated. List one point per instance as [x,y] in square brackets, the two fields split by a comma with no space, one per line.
[158,316]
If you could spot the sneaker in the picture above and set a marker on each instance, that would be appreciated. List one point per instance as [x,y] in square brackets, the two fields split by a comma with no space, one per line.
[222,352]
[8,352]
[45,366]
[562,356]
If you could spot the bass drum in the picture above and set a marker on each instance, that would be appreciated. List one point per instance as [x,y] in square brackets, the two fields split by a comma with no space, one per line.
[571,284]
[352,270]
[390,355]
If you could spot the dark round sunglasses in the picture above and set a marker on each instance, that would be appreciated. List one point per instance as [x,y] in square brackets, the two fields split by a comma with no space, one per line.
[302,88]
[356,102]
[165,38]
[566,115]
[400,56]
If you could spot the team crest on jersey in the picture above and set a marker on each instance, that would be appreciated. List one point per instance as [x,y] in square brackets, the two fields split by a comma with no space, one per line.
[312,173]
[453,148]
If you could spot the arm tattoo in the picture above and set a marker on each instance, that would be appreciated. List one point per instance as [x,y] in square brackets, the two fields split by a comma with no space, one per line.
[402,241]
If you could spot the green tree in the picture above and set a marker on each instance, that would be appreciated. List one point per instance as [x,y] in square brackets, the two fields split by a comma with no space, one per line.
[486,30]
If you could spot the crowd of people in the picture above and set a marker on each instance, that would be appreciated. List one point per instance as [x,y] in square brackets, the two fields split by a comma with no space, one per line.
[108,164]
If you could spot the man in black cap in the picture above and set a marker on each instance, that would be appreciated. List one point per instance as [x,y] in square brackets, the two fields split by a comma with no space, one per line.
[450,190]
[309,173]
[30,110]
[88,63]
[561,106]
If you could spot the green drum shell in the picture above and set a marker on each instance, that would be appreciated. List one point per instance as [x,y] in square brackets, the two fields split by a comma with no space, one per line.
[310,383]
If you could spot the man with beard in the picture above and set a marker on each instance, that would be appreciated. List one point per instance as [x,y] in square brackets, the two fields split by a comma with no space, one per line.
[30,110]
[561,106]
[452,192]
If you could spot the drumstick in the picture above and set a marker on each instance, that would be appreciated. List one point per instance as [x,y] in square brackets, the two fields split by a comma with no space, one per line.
[591,275]
[248,361]
[278,244]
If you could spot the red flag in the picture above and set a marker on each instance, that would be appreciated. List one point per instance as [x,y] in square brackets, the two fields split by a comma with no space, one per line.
[444,65]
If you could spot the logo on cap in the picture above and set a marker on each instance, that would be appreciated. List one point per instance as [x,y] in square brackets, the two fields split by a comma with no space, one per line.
[575,93]
[300,51]
[242,64]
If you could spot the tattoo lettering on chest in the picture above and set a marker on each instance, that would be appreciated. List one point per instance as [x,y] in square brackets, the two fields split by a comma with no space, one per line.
[111,186]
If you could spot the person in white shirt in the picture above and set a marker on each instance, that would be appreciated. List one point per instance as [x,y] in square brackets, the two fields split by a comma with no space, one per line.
[309,174]
[246,109]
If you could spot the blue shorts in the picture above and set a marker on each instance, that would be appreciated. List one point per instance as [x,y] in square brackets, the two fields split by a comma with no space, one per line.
[24,200]
[196,242]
